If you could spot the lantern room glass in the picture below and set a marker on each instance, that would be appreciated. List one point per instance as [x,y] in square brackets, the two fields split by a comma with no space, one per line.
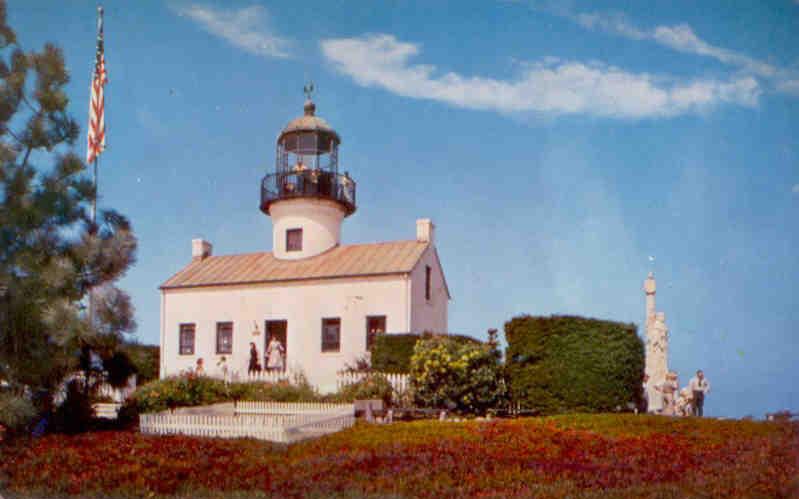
[307,150]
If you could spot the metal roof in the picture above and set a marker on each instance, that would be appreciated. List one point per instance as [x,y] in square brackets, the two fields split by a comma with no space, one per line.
[355,260]
[309,122]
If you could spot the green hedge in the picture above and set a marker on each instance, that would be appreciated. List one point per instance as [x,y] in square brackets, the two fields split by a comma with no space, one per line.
[562,364]
[392,353]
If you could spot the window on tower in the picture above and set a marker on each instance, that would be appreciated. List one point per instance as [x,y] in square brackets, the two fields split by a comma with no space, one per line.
[294,240]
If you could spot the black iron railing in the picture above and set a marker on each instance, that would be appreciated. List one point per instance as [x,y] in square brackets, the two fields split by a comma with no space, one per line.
[308,183]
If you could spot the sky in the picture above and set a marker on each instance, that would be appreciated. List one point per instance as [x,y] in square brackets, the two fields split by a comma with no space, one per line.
[563,150]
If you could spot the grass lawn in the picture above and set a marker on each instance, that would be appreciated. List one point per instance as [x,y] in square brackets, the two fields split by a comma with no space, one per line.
[566,456]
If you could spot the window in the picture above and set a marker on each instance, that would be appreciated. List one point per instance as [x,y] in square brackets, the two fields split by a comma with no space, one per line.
[375,324]
[294,240]
[224,337]
[331,335]
[427,272]
[187,339]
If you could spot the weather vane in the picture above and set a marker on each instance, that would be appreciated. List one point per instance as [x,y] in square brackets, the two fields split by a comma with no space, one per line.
[308,90]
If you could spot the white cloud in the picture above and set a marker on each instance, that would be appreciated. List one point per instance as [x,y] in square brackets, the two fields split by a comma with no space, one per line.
[245,28]
[551,86]
[682,38]
[789,86]
[795,188]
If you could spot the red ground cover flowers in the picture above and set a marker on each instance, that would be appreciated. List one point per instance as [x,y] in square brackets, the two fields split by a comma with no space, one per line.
[622,456]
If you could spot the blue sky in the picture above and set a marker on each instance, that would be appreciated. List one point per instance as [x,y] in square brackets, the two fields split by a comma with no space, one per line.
[563,150]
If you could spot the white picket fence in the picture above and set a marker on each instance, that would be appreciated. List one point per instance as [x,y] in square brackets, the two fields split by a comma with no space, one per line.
[319,426]
[277,422]
[399,382]
[267,376]
[254,407]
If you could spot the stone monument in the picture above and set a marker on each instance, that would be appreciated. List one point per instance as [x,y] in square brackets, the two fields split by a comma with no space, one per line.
[657,346]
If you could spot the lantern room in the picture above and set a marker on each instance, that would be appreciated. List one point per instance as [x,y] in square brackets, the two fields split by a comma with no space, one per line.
[307,164]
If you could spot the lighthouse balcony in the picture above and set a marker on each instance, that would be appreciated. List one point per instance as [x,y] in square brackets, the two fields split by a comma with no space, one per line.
[319,184]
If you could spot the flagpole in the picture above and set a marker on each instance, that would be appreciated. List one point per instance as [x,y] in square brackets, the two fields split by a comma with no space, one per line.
[94,198]
[94,233]
[95,176]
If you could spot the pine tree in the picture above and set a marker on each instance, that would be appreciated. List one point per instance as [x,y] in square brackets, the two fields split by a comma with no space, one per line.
[51,253]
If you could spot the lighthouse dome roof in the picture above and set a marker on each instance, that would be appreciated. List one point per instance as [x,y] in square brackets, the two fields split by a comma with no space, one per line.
[309,122]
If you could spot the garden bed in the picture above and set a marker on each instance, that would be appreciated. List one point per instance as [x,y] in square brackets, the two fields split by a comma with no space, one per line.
[568,456]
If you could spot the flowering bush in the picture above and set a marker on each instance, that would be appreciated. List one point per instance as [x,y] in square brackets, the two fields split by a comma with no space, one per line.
[460,376]
[621,456]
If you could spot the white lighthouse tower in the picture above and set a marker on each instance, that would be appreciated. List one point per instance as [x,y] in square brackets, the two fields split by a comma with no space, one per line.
[306,196]
[657,345]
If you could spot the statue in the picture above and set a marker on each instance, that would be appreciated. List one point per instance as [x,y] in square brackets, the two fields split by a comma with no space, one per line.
[657,347]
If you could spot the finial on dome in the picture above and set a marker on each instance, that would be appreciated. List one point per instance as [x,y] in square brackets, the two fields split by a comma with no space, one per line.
[309,106]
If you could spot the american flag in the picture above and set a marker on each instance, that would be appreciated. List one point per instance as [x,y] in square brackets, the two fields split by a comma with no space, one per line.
[96,142]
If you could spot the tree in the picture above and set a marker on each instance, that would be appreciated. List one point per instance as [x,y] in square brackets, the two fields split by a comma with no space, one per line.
[51,252]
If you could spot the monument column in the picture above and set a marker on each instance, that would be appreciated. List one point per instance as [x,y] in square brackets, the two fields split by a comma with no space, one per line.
[657,340]
[649,289]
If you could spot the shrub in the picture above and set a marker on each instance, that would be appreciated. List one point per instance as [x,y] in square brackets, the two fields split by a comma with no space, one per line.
[119,368]
[464,376]
[145,359]
[372,386]
[392,353]
[178,391]
[16,413]
[190,390]
[563,364]
[75,413]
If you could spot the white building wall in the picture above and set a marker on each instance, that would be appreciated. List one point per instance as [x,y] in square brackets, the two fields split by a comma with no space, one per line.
[429,315]
[301,304]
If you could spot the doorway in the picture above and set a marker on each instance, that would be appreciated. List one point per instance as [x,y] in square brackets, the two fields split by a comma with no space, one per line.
[278,330]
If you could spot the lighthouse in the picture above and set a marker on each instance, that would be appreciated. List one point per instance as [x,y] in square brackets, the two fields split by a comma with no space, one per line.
[306,196]
[313,305]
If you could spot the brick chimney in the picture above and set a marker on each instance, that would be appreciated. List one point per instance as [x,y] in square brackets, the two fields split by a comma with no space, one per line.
[424,230]
[200,249]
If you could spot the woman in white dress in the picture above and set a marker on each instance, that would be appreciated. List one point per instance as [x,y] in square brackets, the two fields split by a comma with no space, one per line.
[669,390]
[274,355]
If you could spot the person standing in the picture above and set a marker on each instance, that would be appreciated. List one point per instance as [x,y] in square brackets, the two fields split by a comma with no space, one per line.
[274,354]
[222,365]
[253,367]
[699,386]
